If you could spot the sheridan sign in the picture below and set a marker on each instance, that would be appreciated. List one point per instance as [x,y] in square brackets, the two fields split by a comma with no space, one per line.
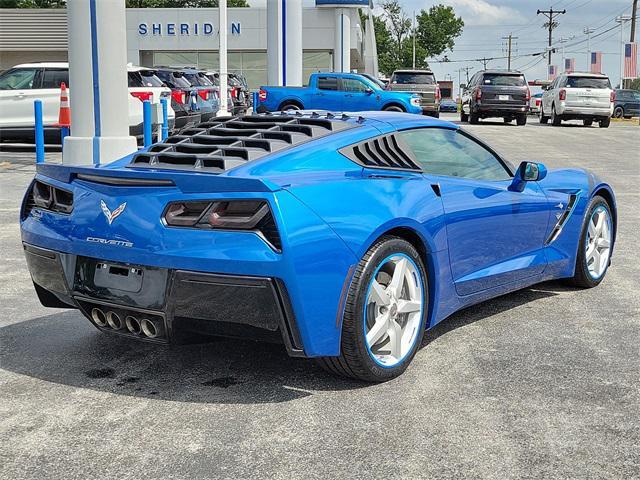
[183,29]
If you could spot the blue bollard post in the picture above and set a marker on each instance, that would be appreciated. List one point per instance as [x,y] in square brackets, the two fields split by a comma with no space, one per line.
[39,131]
[146,123]
[64,132]
[255,101]
[165,118]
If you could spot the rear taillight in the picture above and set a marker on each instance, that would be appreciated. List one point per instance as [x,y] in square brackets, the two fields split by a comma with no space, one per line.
[478,94]
[262,95]
[239,215]
[48,197]
[204,94]
[438,95]
[528,95]
[142,96]
[234,93]
[178,96]
[612,97]
[562,95]
[537,102]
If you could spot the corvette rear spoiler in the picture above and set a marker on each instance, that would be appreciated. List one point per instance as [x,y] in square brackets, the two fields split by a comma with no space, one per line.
[187,182]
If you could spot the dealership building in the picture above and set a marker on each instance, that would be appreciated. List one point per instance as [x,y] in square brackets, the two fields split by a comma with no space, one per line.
[333,38]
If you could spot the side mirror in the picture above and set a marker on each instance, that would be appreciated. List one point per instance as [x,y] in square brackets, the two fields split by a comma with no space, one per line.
[368,91]
[527,172]
[463,86]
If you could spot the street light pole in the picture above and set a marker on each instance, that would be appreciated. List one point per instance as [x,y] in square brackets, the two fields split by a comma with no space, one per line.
[222,54]
[588,31]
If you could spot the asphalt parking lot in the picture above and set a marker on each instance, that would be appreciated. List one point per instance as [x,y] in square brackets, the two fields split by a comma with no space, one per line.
[542,383]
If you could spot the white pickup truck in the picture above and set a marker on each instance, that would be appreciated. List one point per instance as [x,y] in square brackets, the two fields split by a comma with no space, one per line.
[578,96]
[22,84]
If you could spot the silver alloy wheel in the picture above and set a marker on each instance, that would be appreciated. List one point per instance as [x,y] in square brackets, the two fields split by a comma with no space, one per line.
[393,310]
[598,244]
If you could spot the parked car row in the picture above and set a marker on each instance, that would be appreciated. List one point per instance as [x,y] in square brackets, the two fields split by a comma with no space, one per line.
[193,95]
[571,96]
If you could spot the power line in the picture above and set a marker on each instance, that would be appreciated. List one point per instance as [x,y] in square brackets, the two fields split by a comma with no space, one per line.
[551,24]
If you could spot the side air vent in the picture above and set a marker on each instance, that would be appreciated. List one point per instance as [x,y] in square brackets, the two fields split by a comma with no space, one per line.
[224,143]
[563,218]
[387,151]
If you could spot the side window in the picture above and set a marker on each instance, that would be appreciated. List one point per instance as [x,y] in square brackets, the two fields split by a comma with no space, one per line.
[328,83]
[19,79]
[353,85]
[53,77]
[441,151]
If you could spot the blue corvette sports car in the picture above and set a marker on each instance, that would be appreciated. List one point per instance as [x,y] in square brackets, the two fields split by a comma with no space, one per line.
[343,236]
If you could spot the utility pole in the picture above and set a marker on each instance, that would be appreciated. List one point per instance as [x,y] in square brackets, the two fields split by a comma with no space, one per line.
[588,31]
[509,39]
[551,24]
[634,14]
[484,62]
[414,39]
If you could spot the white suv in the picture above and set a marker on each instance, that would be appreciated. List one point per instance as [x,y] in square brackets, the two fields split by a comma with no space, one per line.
[22,84]
[578,96]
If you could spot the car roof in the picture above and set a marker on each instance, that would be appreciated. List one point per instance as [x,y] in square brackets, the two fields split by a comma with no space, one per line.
[585,74]
[412,71]
[130,68]
[498,71]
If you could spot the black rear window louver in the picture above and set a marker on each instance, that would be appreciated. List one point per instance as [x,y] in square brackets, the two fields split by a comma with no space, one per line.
[220,144]
[387,151]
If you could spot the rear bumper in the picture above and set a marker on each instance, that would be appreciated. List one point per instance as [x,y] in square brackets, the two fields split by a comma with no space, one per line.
[178,301]
[498,110]
[575,112]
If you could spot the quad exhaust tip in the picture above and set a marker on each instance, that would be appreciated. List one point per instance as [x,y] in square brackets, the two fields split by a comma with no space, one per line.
[99,317]
[114,320]
[133,325]
[149,328]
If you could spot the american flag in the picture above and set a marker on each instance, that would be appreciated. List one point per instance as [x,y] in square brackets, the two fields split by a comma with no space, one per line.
[596,62]
[552,72]
[630,60]
[569,65]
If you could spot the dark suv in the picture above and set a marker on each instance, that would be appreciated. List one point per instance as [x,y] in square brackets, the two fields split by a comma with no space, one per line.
[627,104]
[496,93]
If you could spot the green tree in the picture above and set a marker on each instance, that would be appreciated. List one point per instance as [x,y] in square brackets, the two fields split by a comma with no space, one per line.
[437,29]
[635,84]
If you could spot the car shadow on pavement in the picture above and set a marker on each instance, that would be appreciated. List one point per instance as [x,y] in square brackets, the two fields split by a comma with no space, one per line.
[65,348]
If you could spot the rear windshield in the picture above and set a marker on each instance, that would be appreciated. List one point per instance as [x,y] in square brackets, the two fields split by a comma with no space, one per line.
[588,82]
[500,79]
[404,78]
[197,79]
[144,78]
[174,79]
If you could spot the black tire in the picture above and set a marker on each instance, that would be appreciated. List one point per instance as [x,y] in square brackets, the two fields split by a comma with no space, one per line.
[289,106]
[463,116]
[436,115]
[605,122]
[582,278]
[393,108]
[521,119]
[355,360]
[474,119]
[556,120]
[541,116]
[618,112]
[587,122]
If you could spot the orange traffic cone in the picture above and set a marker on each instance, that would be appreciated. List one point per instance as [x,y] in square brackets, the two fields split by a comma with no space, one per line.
[64,117]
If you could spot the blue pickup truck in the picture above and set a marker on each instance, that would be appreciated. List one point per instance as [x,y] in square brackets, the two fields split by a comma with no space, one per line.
[342,92]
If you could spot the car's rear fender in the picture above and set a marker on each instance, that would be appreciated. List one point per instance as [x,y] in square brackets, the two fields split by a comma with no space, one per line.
[312,263]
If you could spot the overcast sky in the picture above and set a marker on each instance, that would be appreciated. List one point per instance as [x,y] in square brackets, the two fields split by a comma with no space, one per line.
[487,21]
